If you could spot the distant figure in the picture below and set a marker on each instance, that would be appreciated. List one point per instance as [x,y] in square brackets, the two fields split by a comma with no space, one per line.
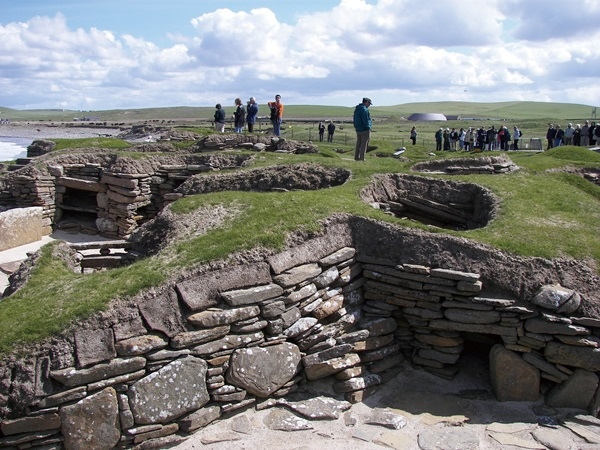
[251,113]
[462,135]
[577,135]
[585,134]
[219,118]
[413,135]
[559,136]
[239,116]
[446,136]
[276,114]
[321,131]
[439,136]
[569,133]
[516,136]
[362,125]
[550,135]
[330,131]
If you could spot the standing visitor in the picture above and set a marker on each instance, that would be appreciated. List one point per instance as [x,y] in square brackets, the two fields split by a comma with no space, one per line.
[413,135]
[219,118]
[585,134]
[363,126]
[321,131]
[577,135]
[251,113]
[239,116]
[550,135]
[461,139]
[330,131]
[559,136]
[516,136]
[569,133]
[276,114]
[439,135]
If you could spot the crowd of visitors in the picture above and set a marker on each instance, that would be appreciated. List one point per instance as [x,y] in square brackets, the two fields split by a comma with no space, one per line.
[581,136]
[246,116]
[472,139]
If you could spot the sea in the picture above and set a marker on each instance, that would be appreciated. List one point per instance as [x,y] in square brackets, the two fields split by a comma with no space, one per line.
[12,148]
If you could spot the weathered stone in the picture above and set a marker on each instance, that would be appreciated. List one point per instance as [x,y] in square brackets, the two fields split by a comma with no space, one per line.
[470,316]
[541,326]
[290,317]
[140,345]
[332,366]
[454,275]
[557,298]
[580,341]
[301,294]
[283,420]
[202,292]
[373,343]
[176,389]
[272,309]
[249,327]
[263,370]
[380,353]
[439,341]
[200,418]
[92,423]
[343,254]
[31,424]
[327,308]
[583,357]
[325,355]
[538,361]
[576,392]
[63,397]
[444,358]
[378,326]
[72,377]
[300,326]
[252,295]
[94,346]
[512,378]
[358,383]
[449,438]
[162,313]
[327,277]
[216,317]
[317,408]
[189,338]
[386,418]
[297,275]
[227,343]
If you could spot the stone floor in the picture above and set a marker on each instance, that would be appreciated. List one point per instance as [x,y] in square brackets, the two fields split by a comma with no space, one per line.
[438,414]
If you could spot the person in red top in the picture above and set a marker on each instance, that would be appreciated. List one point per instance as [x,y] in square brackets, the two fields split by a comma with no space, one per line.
[276,114]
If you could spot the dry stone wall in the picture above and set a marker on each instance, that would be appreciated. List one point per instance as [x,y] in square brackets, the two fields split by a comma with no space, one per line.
[151,371]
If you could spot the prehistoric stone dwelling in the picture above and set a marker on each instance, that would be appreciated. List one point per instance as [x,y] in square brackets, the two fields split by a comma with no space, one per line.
[350,305]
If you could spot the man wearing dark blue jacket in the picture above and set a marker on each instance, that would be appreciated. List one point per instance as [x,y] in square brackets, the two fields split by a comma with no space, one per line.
[362,125]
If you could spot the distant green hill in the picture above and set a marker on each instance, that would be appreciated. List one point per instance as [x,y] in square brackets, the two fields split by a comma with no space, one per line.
[499,110]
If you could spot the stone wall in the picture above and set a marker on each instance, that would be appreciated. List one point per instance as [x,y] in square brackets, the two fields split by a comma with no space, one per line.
[151,371]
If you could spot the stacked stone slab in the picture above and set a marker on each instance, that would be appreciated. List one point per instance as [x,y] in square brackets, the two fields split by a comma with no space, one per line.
[179,357]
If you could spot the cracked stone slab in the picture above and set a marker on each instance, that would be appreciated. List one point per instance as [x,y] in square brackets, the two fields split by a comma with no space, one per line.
[317,408]
[280,419]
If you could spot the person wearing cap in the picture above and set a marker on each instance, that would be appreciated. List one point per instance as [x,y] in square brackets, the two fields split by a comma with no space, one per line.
[363,126]
[276,114]
[251,113]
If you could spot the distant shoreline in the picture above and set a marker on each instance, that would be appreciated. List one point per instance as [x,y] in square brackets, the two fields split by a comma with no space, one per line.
[43,131]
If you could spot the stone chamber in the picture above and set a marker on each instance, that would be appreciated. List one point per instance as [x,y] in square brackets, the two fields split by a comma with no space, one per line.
[350,307]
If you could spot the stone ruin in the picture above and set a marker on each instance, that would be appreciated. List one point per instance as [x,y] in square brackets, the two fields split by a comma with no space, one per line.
[349,307]
[468,166]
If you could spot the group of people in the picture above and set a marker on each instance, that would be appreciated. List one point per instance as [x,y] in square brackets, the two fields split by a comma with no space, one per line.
[330,131]
[469,139]
[581,136]
[246,116]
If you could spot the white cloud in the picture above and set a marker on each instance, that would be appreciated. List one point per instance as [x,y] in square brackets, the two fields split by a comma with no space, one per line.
[395,51]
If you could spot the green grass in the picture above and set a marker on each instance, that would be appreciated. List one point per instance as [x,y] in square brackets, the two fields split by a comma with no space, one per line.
[543,213]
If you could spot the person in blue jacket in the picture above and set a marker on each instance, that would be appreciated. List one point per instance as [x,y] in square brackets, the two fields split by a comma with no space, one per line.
[363,126]
[251,113]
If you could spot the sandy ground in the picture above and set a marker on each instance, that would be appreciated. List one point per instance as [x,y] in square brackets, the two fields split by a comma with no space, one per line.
[33,131]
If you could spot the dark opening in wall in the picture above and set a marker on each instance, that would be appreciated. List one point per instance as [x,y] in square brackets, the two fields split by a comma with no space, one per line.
[76,210]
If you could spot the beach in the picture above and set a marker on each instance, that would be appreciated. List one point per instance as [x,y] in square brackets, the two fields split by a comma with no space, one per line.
[15,137]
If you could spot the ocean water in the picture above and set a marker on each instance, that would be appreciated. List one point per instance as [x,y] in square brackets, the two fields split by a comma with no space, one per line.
[12,148]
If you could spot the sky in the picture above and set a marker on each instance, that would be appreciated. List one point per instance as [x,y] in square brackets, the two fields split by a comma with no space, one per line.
[90,55]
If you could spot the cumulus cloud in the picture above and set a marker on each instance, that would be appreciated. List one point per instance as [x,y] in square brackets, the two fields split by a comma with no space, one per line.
[396,51]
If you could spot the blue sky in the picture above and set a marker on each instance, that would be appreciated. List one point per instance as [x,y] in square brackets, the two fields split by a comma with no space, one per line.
[108,54]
